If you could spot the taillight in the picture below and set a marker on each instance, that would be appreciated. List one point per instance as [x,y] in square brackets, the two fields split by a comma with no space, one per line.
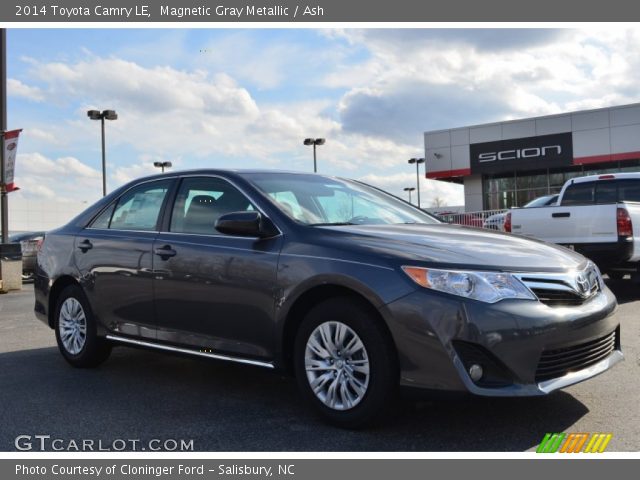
[623,219]
[507,222]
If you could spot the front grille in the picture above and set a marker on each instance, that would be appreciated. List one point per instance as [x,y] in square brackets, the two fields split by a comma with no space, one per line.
[560,361]
[563,289]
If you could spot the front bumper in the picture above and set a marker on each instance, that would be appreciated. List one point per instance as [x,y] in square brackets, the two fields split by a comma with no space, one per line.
[438,336]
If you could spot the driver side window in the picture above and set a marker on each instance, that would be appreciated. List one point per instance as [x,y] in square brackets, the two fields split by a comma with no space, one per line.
[201,201]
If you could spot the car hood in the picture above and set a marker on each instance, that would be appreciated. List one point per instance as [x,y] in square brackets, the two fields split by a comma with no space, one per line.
[459,246]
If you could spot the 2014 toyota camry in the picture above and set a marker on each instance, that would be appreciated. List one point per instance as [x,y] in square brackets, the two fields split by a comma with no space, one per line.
[354,290]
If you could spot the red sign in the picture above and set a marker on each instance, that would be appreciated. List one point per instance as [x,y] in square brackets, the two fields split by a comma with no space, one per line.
[10,147]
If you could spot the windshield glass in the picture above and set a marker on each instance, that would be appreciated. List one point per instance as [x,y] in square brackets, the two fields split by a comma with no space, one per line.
[318,200]
[542,201]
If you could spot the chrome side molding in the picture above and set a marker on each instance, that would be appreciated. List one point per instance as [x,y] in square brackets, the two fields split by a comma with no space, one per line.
[168,348]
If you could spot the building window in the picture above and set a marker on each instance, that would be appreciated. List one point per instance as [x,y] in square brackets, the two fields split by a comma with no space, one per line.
[514,189]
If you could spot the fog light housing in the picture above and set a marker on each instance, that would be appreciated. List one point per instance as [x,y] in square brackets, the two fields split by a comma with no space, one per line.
[475,372]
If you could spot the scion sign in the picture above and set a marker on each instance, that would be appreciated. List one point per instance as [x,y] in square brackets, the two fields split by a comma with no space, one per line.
[530,153]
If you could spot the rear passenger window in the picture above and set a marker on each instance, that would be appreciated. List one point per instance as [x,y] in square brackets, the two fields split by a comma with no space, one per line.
[138,209]
[102,220]
[606,192]
[201,201]
[579,194]
[629,190]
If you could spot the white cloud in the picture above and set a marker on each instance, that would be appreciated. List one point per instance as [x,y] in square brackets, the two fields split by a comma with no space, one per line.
[417,80]
[158,90]
[450,193]
[18,89]
[65,179]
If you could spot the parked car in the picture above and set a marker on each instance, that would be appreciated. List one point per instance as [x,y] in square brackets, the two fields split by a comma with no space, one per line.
[496,221]
[350,288]
[596,215]
[29,244]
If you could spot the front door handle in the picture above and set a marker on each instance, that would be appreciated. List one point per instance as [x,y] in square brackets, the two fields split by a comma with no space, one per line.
[165,252]
[85,245]
[561,214]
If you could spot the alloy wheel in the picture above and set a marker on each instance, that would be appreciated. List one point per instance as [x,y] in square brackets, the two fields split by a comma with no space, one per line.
[337,365]
[72,326]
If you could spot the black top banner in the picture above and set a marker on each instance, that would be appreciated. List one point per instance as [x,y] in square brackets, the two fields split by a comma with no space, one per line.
[531,153]
[237,11]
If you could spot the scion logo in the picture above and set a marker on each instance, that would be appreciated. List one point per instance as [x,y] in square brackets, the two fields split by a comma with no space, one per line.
[529,153]
[574,443]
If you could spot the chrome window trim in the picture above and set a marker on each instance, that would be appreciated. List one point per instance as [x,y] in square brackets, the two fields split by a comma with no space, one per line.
[178,176]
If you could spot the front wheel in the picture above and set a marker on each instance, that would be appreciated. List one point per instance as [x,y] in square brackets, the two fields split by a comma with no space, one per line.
[76,331]
[345,362]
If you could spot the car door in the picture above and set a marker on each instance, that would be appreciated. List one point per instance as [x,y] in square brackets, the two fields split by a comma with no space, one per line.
[214,291]
[115,260]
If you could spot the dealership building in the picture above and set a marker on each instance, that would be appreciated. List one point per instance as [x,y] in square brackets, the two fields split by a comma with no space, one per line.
[509,163]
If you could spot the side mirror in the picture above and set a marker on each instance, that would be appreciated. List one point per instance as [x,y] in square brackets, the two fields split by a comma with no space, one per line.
[244,224]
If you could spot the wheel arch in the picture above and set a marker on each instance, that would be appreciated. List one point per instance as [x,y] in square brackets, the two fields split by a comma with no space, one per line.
[312,296]
[56,289]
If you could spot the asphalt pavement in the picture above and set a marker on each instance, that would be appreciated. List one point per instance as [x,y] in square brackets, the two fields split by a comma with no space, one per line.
[143,395]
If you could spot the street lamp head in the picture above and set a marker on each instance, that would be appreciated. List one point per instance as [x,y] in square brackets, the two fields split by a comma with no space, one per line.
[110,114]
[157,164]
[409,189]
[420,160]
[319,141]
[94,114]
[308,141]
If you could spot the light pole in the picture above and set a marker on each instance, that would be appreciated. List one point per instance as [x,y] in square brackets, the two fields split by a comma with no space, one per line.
[314,142]
[409,189]
[417,161]
[162,165]
[102,116]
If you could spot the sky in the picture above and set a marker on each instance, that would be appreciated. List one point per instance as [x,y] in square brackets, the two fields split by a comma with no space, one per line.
[246,98]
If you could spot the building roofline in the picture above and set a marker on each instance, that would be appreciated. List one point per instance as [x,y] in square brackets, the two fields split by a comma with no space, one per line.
[515,120]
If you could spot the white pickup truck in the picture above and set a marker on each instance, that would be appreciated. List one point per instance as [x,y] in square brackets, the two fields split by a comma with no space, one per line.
[597,215]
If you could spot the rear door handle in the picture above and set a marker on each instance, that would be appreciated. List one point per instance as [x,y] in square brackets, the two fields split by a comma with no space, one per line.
[85,245]
[561,214]
[165,252]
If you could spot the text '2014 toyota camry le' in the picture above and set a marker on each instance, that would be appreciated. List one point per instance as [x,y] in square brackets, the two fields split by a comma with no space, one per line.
[354,290]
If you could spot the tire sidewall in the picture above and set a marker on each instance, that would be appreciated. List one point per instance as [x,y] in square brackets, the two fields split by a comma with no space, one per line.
[382,360]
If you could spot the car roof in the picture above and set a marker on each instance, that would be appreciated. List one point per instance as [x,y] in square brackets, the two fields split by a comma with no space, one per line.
[607,176]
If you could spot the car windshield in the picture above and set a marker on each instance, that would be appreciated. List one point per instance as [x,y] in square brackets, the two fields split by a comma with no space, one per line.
[316,200]
[542,201]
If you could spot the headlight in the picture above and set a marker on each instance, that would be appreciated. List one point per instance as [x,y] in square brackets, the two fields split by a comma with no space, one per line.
[489,287]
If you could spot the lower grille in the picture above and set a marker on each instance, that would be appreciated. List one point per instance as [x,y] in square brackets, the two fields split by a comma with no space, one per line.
[560,361]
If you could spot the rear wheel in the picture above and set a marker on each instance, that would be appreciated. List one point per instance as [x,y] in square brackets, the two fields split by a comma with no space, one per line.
[345,362]
[76,331]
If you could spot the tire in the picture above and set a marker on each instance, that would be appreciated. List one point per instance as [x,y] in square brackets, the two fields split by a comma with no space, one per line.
[614,275]
[73,315]
[347,396]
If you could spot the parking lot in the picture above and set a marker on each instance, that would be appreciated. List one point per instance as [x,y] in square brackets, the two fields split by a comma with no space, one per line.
[225,407]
